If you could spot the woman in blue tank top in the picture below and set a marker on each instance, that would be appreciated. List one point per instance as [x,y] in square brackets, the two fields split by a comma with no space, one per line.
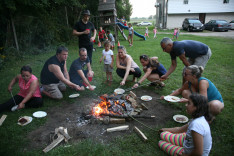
[196,83]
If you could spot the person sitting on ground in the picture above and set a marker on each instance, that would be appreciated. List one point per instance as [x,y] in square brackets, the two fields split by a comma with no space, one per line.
[153,70]
[193,138]
[196,83]
[29,94]
[126,66]
[54,75]
[108,57]
[198,53]
[81,69]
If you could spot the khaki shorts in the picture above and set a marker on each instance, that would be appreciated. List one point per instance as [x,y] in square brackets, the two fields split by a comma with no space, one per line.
[107,68]
[200,61]
[55,89]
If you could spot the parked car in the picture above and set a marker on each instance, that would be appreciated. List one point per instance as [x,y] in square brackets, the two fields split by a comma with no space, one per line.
[232,24]
[218,25]
[144,23]
[192,24]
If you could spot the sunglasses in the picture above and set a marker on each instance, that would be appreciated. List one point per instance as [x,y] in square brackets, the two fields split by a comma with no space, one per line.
[144,57]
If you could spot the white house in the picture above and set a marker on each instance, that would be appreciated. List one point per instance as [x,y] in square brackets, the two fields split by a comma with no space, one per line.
[173,12]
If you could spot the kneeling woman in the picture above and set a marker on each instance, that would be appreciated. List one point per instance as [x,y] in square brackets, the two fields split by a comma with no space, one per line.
[197,84]
[126,66]
[29,94]
[153,70]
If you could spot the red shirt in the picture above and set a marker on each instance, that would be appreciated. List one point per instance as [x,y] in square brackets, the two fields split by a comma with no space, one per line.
[101,34]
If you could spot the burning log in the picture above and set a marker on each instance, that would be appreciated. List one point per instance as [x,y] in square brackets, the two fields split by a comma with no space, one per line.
[119,128]
[140,133]
[107,120]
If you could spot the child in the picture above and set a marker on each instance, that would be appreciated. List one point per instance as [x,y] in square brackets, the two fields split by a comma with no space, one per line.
[111,39]
[130,35]
[155,32]
[108,57]
[146,32]
[197,140]
[101,36]
[175,31]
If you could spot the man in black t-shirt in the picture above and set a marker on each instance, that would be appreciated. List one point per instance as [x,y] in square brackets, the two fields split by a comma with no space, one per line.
[197,53]
[54,75]
[83,30]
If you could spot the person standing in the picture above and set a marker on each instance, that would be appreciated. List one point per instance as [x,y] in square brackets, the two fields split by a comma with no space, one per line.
[108,57]
[155,32]
[146,32]
[54,75]
[101,36]
[175,32]
[198,53]
[130,35]
[83,30]
[111,39]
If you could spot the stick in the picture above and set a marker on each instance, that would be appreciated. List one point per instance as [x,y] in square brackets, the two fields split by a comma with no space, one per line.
[127,116]
[2,119]
[142,135]
[119,128]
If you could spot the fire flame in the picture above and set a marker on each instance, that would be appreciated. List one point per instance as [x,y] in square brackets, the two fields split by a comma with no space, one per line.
[103,106]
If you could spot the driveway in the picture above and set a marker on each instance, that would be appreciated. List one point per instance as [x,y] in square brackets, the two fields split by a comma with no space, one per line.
[229,34]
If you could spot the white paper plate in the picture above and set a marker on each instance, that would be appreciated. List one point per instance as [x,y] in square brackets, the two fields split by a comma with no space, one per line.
[92,86]
[146,98]
[39,114]
[74,95]
[119,91]
[180,118]
[172,98]
[28,118]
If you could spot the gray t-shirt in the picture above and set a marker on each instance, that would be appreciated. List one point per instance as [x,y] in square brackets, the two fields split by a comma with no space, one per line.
[130,30]
[201,126]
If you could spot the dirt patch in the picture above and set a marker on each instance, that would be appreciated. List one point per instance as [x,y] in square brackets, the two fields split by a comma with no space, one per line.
[68,115]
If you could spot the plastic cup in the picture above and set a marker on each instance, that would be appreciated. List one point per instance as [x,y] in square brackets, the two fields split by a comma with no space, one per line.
[90,79]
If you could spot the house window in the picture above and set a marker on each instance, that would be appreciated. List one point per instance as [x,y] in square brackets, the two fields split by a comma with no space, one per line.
[185,1]
[225,1]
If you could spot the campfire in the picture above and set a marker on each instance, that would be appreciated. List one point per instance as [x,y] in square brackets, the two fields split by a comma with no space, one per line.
[112,105]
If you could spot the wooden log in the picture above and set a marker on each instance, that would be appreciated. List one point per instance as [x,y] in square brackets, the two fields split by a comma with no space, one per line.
[2,119]
[119,128]
[54,143]
[133,95]
[65,134]
[141,134]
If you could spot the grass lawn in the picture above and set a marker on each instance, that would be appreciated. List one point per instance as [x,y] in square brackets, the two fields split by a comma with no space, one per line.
[220,70]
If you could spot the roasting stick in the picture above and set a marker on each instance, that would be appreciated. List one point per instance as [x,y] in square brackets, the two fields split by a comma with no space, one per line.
[146,84]
[143,124]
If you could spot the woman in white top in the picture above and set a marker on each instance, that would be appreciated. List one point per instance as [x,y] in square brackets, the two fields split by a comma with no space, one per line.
[126,66]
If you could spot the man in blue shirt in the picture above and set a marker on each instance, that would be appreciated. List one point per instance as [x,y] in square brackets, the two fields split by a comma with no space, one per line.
[81,70]
[198,53]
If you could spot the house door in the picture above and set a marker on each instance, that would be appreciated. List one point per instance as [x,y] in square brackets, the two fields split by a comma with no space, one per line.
[202,17]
